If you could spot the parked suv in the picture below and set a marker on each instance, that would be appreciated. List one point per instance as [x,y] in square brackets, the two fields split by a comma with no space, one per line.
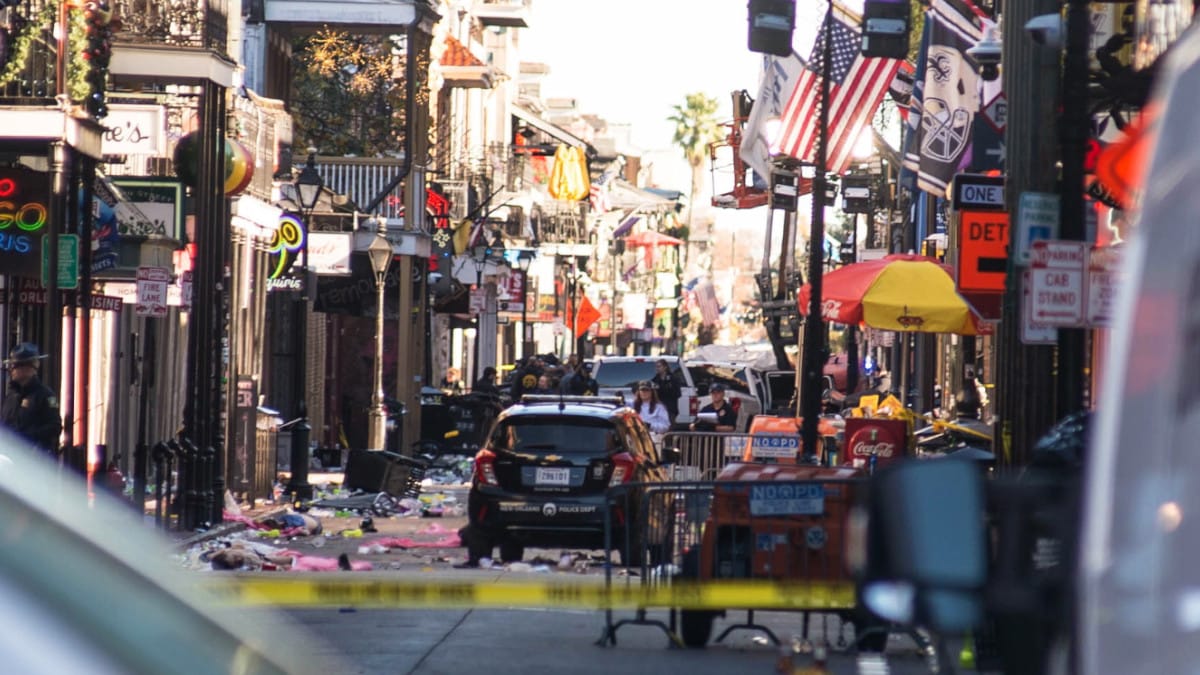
[618,375]
[540,478]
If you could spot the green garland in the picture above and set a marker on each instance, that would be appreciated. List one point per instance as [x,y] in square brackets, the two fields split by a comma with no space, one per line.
[78,87]
[23,44]
[77,67]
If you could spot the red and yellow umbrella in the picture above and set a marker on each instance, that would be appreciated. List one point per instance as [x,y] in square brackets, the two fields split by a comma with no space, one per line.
[900,292]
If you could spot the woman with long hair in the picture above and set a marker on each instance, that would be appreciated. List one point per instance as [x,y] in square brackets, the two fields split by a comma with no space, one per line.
[650,409]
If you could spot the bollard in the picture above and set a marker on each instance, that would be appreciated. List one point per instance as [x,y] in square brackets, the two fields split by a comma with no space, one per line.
[188,484]
[140,461]
[174,479]
[208,462]
[161,455]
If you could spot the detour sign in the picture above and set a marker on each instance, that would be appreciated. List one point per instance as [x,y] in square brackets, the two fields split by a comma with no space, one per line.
[983,250]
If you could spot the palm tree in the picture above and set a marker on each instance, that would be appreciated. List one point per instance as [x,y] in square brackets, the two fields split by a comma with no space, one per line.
[695,128]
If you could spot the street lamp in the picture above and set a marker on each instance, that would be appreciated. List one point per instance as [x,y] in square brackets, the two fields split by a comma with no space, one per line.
[380,252]
[479,254]
[308,187]
[524,258]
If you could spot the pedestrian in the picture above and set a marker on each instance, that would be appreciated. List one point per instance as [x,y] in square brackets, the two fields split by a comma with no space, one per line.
[650,409]
[525,378]
[667,385]
[545,385]
[452,382]
[486,384]
[30,407]
[726,416]
[570,372]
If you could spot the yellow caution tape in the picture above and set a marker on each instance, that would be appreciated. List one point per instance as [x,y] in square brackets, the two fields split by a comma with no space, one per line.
[483,593]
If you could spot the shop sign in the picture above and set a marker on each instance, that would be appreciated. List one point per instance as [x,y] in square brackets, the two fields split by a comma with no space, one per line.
[24,195]
[151,206]
[134,129]
[287,243]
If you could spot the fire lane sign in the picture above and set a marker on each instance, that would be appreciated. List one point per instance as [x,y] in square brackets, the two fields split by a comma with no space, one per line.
[1056,275]
[152,291]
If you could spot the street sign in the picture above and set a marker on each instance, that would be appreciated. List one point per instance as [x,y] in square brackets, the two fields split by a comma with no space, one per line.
[983,250]
[152,291]
[995,113]
[987,146]
[978,192]
[1103,267]
[185,290]
[1033,333]
[1056,271]
[68,261]
[1037,218]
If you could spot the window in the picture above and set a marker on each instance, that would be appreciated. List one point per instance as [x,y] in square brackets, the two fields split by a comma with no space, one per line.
[705,375]
[556,436]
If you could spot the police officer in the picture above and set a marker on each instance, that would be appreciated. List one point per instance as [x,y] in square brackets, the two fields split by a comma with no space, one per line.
[30,407]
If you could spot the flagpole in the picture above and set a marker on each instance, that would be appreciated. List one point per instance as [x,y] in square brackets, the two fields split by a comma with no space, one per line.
[814,357]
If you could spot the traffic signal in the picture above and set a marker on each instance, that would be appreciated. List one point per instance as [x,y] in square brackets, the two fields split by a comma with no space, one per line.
[885,28]
[771,24]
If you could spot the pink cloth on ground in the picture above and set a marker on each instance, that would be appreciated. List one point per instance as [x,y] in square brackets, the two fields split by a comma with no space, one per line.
[312,563]
[449,541]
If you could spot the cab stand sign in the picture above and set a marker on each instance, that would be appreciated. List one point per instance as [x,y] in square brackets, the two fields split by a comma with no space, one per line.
[1071,285]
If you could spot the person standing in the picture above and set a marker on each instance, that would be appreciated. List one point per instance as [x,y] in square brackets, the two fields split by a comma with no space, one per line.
[486,384]
[727,417]
[667,387]
[650,409]
[30,407]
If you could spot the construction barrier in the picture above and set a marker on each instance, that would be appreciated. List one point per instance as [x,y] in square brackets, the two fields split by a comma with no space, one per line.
[369,591]
[773,525]
[702,454]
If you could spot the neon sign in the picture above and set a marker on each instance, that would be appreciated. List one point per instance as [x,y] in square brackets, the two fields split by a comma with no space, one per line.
[21,219]
[286,244]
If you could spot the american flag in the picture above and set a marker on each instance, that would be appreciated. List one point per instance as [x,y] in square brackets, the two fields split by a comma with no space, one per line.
[856,86]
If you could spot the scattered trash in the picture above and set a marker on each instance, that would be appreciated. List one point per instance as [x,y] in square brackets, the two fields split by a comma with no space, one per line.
[520,567]
[368,525]
[486,563]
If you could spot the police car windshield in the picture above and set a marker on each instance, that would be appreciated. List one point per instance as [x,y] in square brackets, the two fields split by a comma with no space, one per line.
[549,436]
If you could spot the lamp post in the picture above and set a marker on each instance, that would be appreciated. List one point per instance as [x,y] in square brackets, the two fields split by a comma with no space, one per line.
[523,261]
[308,187]
[380,252]
[479,255]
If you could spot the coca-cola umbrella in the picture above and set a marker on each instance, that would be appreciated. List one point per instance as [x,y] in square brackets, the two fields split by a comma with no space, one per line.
[900,292]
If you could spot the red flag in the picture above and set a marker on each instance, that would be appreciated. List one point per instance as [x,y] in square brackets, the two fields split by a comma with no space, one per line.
[856,86]
[588,315]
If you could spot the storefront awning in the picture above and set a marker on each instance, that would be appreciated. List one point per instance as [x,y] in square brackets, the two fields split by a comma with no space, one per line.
[557,133]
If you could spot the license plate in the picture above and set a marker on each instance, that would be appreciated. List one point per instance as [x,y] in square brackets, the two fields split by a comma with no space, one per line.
[552,477]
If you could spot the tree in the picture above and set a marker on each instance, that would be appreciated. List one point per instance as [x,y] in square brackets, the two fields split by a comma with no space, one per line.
[695,128]
[346,99]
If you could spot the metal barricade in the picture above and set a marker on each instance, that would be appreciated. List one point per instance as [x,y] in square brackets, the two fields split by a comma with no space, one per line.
[766,544]
[702,454]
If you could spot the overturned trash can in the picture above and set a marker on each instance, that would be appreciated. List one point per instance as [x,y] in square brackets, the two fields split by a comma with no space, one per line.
[383,471]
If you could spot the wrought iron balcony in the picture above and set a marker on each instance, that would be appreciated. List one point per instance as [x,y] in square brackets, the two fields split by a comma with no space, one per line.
[361,179]
[199,24]
[561,222]
[28,76]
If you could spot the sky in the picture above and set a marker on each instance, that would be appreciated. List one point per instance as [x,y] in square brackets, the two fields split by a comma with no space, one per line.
[631,61]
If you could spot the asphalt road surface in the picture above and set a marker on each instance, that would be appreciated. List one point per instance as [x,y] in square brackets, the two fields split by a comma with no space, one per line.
[496,641]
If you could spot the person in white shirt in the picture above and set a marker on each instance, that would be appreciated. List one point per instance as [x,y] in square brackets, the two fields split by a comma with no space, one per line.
[651,410]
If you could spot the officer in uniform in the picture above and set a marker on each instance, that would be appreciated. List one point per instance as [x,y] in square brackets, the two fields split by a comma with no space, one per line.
[30,407]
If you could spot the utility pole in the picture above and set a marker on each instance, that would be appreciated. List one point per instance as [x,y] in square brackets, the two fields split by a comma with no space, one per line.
[1025,406]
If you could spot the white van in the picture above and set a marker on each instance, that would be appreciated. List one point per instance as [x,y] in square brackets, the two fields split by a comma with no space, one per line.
[619,375]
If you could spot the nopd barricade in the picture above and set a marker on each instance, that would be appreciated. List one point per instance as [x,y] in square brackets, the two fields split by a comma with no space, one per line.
[781,526]
[702,454]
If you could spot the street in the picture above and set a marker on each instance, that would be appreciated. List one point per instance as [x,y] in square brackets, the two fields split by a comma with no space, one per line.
[524,640]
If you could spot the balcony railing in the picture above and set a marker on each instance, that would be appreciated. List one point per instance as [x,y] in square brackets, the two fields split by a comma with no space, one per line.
[361,179]
[30,80]
[201,24]
[560,222]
